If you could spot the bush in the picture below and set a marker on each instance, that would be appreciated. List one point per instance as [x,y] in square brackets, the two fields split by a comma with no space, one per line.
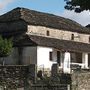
[5,46]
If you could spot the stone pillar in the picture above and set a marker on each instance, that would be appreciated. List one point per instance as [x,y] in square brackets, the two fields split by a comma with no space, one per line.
[55,69]
[66,64]
[85,60]
[33,72]
[31,76]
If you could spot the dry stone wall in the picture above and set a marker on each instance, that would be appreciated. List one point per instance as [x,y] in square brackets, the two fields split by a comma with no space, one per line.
[81,80]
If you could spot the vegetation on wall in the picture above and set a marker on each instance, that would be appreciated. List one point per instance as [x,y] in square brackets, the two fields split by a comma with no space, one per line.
[5,46]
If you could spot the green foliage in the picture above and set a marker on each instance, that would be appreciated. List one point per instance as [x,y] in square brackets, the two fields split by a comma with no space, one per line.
[5,47]
[77,5]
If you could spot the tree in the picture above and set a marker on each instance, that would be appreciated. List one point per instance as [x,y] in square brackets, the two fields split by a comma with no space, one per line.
[5,46]
[77,5]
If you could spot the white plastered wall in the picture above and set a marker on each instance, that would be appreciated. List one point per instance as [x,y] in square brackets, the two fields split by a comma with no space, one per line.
[43,57]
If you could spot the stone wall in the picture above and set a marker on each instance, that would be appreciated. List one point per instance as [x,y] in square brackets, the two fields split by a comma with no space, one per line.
[81,80]
[29,55]
[56,33]
[52,87]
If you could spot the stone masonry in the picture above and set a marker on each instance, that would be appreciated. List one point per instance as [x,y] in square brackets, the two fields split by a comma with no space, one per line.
[81,80]
[56,33]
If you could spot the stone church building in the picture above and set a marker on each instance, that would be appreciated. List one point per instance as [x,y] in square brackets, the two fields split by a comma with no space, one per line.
[45,39]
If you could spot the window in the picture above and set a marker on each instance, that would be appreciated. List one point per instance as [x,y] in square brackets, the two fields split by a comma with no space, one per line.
[50,56]
[73,57]
[89,38]
[48,33]
[89,59]
[78,57]
[72,37]
[58,57]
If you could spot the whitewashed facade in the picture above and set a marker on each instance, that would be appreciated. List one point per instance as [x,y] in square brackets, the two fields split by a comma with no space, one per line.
[65,57]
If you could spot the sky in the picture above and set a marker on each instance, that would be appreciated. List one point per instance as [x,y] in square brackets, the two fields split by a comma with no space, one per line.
[49,6]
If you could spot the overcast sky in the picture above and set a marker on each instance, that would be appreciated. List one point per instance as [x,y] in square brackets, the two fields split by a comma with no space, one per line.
[49,6]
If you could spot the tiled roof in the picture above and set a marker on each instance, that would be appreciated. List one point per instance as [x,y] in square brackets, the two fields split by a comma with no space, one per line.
[10,20]
[64,45]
